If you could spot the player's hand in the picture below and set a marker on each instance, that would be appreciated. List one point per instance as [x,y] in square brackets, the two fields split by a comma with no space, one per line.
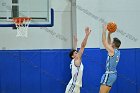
[110,32]
[104,26]
[87,31]
[75,38]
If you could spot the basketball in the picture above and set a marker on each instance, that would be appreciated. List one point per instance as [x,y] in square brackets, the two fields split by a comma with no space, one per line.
[111,27]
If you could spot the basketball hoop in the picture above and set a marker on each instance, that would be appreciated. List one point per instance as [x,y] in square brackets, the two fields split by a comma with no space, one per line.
[22,24]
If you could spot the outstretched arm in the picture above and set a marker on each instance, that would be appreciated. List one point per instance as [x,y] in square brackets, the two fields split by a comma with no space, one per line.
[105,43]
[84,42]
[78,59]
[75,42]
[109,38]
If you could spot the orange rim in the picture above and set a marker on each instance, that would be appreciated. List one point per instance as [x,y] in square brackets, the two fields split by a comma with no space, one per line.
[20,20]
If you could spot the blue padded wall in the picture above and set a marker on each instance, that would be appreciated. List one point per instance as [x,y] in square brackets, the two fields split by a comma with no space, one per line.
[34,71]
[138,70]
[127,72]
[92,71]
[48,71]
[10,72]
[30,71]
[55,65]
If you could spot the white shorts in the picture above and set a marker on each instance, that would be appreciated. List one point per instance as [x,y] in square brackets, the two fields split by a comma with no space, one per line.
[71,88]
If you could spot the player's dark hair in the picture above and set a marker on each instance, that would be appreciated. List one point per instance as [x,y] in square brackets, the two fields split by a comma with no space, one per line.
[117,42]
[71,53]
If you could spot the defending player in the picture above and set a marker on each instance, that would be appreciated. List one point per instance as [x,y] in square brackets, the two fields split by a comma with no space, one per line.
[77,67]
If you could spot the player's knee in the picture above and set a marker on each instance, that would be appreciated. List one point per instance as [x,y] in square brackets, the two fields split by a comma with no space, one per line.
[103,90]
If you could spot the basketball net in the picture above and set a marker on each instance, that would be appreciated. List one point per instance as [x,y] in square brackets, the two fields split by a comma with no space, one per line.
[22,24]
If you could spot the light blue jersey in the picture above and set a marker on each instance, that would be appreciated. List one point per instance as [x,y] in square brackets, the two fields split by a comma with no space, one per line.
[110,75]
[112,61]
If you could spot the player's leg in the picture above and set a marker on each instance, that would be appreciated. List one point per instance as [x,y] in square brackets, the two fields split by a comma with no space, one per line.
[104,89]
[72,89]
[77,89]
[106,82]
[68,88]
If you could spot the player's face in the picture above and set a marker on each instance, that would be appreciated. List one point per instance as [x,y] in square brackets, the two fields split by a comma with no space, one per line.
[75,54]
[113,45]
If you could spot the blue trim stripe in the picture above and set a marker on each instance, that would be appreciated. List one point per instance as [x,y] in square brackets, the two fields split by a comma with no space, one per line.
[105,79]
[74,81]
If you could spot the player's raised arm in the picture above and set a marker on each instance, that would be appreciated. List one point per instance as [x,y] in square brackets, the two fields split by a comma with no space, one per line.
[75,42]
[109,38]
[84,42]
[105,43]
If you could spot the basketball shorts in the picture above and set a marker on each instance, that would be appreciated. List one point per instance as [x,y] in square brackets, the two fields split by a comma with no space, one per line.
[108,79]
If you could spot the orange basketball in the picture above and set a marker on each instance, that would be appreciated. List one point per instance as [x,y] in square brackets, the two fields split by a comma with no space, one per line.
[111,27]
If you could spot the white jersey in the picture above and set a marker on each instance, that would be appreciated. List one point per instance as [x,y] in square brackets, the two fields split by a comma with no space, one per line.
[76,80]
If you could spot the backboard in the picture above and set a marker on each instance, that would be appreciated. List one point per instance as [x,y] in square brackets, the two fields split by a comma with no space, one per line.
[39,11]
